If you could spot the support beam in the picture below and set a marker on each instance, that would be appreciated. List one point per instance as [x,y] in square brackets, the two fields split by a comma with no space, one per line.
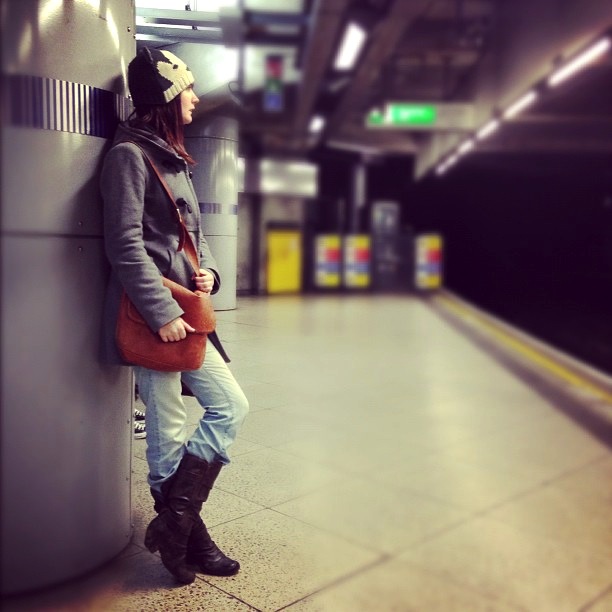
[183,18]
[320,44]
[172,35]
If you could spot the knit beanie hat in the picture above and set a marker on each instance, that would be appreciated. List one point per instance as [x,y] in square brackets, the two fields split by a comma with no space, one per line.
[156,76]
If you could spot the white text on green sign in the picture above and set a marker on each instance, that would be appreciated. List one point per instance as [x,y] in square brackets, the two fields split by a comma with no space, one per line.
[419,116]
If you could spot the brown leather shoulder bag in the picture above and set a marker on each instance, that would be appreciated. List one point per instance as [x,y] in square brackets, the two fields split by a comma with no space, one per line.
[139,345]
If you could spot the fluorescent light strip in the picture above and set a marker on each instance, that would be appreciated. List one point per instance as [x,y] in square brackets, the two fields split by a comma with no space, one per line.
[521,104]
[487,129]
[441,169]
[588,56]
[352,43]
[451,161]
[468,145]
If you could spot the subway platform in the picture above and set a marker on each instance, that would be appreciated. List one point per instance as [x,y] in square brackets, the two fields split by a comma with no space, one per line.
[402,453]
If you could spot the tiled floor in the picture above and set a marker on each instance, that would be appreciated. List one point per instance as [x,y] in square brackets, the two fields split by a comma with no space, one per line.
[387,464]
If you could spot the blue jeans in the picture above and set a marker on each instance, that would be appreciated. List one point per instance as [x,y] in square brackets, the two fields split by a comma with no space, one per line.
[168,438]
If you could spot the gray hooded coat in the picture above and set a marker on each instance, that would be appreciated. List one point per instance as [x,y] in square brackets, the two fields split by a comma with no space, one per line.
[141,232]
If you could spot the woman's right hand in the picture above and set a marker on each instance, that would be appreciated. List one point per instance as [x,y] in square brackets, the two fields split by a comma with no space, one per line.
[175,330]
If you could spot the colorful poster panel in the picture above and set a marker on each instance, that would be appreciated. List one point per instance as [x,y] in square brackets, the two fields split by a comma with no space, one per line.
[357,257]
[428,261]
[328,258]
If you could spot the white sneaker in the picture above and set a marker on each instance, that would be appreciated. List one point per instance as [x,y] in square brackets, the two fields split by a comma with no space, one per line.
[139,415]
[139,430]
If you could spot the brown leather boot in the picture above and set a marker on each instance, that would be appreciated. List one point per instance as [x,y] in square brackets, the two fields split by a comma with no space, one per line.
[169,531]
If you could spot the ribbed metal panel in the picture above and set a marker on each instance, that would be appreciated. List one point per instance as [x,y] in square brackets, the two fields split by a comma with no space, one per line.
[51,104]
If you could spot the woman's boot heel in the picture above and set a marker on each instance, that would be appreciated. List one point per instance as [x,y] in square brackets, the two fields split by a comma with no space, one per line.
[151,540]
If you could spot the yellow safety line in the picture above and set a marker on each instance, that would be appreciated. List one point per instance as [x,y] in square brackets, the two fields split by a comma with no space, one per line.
[553,367]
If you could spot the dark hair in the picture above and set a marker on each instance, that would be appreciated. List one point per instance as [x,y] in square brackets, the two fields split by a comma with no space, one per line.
[166,120]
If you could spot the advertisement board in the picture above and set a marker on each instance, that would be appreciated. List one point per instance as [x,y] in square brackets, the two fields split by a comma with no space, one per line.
[357,256]
[328,258]
[428,261]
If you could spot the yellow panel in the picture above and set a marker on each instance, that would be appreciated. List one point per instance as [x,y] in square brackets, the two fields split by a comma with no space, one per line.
[284,273]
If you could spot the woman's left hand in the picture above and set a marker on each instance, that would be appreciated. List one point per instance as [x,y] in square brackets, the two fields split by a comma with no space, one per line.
[205,281]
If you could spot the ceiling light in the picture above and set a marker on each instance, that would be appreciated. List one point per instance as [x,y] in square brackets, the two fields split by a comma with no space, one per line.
[521,104]
[352,43]
[586,57]
[487,129]
[316,124]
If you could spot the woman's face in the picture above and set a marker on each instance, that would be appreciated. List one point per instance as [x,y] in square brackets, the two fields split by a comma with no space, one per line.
[188,102]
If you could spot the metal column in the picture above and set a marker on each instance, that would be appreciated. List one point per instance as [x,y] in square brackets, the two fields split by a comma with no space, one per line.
[358,196]
[213,142]
[66,417]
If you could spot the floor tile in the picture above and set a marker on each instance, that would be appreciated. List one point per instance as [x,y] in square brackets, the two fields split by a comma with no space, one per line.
[283,560]
[603,603]
[520,569]
[242,446]
[276,426]
[353,453]
[548,449]
[473,488]
[378,517]
[398,587]
[593,481]
[266,395]
[139,582]
[268,477]
[559,514]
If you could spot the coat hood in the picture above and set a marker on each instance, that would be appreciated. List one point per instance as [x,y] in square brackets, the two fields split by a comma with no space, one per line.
[126,132]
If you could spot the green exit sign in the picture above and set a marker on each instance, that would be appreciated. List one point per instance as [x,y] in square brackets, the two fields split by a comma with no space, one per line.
[411,114]
[401,115]
[415,115]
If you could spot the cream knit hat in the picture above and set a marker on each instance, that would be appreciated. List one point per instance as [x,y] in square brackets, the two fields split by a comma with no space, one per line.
[156,76]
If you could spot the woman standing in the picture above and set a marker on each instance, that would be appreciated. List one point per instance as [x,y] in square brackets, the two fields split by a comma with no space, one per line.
[141,239]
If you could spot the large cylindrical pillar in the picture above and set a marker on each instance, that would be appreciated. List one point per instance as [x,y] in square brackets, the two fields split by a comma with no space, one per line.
[213,142]
[66,417]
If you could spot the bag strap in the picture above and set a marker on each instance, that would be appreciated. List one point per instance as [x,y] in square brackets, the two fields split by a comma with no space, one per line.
[185,240]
